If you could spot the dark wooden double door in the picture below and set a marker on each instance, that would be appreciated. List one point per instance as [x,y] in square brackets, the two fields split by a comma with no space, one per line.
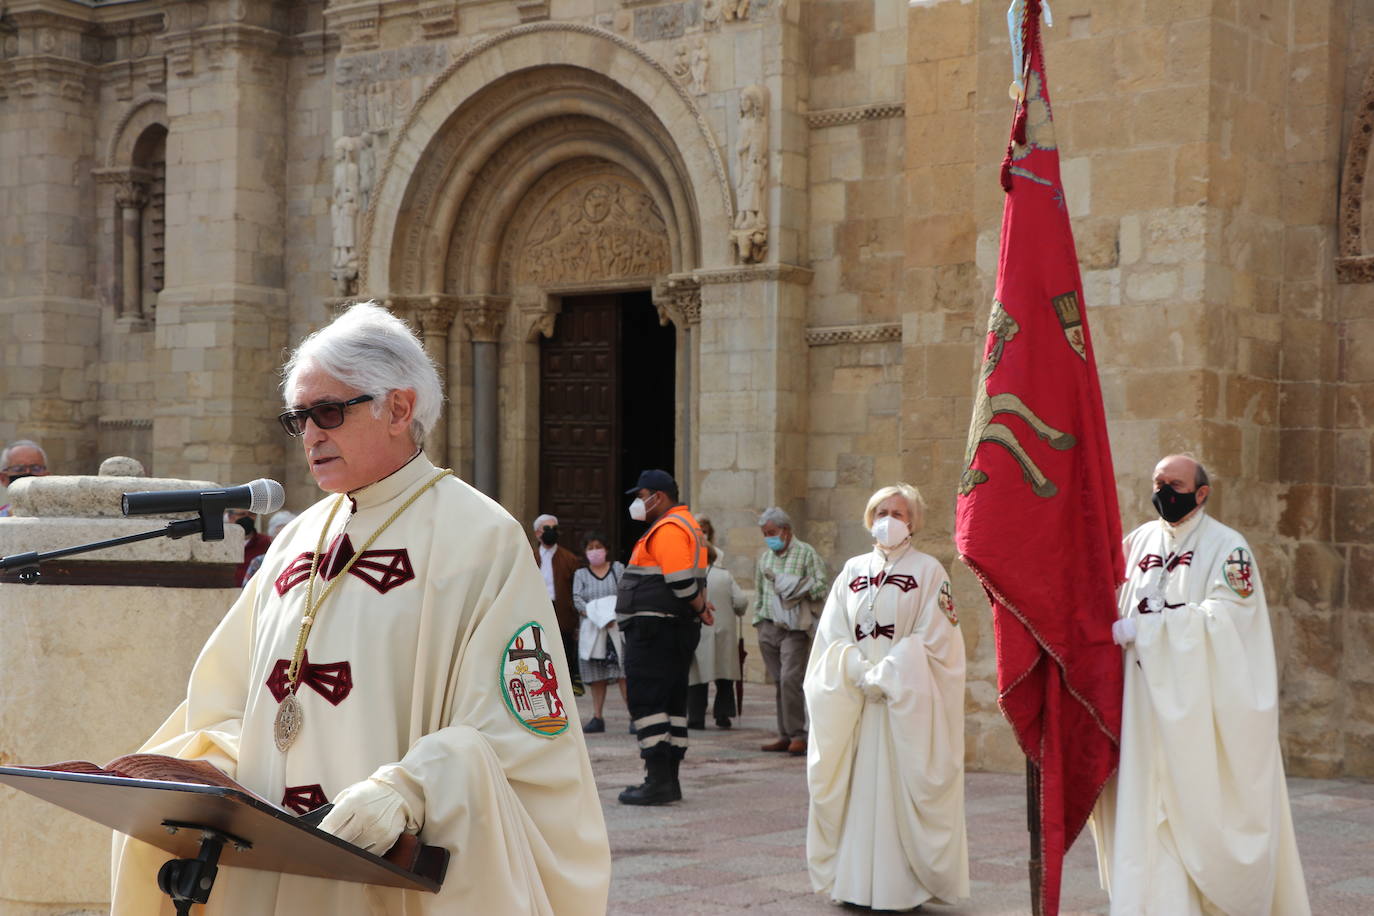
[607,410]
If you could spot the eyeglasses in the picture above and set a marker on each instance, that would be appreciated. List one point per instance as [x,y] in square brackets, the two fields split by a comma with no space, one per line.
[329,415]
[24,469]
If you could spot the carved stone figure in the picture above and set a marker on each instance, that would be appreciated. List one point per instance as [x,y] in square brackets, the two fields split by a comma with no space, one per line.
[736,10]
[367,170]
[710,14]
[343,215]
[750,232]
[700,67]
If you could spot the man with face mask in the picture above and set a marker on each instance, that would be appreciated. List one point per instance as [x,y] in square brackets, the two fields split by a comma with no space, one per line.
[660,606]
[558,565]
[789,582]
[21,458]
[1196,819]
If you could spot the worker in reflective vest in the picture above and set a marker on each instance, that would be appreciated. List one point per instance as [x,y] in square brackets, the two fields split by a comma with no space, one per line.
[660,608]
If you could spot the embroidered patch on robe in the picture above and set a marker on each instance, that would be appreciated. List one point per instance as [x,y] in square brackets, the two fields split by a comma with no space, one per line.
[946,600]
[303,799]
[332,681]
[900,580]
[381,569]
[529,683]
[1240,572]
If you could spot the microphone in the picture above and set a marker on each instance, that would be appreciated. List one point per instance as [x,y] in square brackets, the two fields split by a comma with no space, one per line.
[260,496]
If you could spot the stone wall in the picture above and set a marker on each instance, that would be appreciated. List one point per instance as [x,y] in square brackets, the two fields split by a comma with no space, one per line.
[1202,147]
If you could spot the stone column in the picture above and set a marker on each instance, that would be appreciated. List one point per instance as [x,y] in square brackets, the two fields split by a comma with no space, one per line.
[131,197]
[432,315]
[222,316]
[678,299]
[49,315]
[484,317]
[752,415]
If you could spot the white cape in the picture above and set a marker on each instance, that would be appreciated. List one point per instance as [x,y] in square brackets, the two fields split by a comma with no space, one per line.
[886,824]
[425,712]
[1197,819]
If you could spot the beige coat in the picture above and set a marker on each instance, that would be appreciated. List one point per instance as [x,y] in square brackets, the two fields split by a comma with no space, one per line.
[717,655]
[428,714]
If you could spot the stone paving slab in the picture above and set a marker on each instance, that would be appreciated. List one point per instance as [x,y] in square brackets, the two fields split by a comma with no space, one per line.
[736,843]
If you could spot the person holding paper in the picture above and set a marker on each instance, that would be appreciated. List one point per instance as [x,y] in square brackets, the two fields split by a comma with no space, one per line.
[396,655]
[601,646]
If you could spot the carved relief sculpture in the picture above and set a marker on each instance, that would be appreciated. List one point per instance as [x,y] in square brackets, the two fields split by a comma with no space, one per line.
[750,233]
[736,10]
[600,229]
[710,14]
[700,67]
[343,214]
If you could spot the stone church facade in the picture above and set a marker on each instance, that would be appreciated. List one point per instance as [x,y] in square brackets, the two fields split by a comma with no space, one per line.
[750,240]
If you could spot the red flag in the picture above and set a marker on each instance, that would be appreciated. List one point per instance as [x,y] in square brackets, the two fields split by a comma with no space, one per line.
[1037,517]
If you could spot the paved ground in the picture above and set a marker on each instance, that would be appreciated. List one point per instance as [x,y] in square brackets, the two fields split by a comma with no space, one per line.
[737,841]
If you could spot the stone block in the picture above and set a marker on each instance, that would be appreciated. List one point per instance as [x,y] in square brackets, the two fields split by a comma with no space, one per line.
[940,31]
[1097,243]
[1319,579]
[1132,180]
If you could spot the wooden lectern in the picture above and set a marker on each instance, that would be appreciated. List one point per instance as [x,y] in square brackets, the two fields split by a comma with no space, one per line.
[195,823]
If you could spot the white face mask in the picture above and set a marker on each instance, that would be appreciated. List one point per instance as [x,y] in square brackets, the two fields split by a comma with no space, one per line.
[889,531]
[638,509]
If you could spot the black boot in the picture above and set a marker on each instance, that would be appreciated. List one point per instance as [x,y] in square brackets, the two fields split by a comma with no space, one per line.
[672,774]
[657,788]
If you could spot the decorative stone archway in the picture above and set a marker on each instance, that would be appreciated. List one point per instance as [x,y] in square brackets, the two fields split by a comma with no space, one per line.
[549,160]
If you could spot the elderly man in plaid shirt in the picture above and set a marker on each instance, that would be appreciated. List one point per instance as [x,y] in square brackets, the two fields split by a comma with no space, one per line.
[789,586]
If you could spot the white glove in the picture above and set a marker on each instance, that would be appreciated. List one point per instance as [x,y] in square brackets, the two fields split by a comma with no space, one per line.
[369,814]
[1123,631]
[856,667]
[873,691]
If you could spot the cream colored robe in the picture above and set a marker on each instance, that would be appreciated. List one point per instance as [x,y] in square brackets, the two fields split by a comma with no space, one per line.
[517,810]
[717,653]
[886,825]
[1197,820]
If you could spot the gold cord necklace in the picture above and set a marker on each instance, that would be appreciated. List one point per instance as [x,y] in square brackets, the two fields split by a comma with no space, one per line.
[290,716]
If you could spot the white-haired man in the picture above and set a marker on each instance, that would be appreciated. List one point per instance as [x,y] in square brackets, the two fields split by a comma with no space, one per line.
[395,656]
[1196,819]
[789,585]
[21,458]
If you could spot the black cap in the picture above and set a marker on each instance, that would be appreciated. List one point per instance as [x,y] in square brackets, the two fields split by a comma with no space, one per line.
[654,480]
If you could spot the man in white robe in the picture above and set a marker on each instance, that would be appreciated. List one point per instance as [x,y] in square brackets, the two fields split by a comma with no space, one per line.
[885,764]
[432,681]
[1196,820]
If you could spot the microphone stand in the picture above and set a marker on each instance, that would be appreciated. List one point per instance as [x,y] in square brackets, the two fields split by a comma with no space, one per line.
[209,524]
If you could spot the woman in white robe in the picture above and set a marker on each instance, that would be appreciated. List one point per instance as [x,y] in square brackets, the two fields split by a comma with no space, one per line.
[885,694]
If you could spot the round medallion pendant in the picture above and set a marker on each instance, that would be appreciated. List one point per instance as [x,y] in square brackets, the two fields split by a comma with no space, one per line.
[288,723]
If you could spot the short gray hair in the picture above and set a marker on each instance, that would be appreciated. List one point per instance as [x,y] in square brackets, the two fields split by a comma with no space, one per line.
[21,443]
[774,515]
[368,348]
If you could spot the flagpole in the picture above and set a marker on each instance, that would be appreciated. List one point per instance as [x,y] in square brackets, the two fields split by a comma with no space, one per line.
[1035,865]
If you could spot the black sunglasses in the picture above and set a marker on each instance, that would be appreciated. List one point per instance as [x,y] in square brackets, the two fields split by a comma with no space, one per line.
[329,415]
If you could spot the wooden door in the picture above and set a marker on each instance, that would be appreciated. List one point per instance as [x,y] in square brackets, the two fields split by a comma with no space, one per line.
[579,429]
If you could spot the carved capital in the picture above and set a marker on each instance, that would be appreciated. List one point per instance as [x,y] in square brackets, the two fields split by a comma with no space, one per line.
[432,314]
[484,317]
[678,299]
[131,195]
[538,314]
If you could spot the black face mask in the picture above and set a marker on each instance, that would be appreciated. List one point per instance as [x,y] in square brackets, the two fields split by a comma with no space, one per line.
[246,524]
[1172,505]
[549,536]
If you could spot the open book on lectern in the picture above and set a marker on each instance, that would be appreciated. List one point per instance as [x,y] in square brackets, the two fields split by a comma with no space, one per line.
[162,800]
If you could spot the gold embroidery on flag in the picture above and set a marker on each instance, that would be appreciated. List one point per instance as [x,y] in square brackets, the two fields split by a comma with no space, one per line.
[1071,320]
[986,406]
